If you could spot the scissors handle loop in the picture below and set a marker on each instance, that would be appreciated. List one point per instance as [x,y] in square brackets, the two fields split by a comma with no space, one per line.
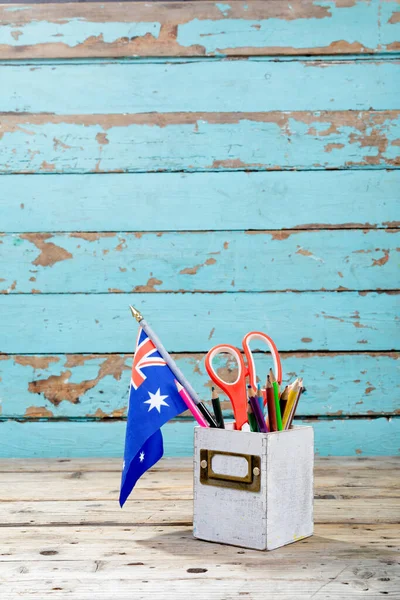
[258,335]
[236,391]
[234,352]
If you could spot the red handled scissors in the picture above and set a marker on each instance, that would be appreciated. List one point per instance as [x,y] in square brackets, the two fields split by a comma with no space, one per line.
[237,391]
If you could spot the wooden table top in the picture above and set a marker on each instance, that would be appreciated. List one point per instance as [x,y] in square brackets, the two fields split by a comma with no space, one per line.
[63,535]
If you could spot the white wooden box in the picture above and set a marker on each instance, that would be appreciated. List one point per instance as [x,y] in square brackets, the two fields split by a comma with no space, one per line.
[253,489]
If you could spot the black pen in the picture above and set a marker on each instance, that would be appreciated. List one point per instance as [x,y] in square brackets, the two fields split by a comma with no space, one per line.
[206,414]
[217,409]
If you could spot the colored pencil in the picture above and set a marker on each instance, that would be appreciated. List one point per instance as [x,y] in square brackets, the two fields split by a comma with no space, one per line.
[273,426]
[191,405]
[283,399]
[275,386]
[291,417]
[293,393]
[260,398]
[252,419]
[217,408]
[255,406]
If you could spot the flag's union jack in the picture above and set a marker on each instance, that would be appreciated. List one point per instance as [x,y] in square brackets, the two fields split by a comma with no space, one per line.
[146,355]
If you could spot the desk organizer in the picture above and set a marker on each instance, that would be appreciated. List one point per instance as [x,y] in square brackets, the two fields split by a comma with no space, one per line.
[253,490]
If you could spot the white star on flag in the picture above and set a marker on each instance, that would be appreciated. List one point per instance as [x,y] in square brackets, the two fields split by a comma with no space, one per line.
[141,456]
[156,400]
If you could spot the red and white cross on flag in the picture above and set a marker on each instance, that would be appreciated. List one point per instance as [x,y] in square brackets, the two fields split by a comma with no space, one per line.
[146,355]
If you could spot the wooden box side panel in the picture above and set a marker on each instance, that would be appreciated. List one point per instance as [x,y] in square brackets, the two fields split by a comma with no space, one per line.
[290,472]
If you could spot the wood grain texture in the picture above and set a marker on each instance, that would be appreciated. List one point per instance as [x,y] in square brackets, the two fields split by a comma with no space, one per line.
[245,86]
[60,542]
[192,323]
[154,552]
[327,468]
[339,437]
[222,261]
[42,482]
[198,29]
[199,142]
[96,386]
[104,202]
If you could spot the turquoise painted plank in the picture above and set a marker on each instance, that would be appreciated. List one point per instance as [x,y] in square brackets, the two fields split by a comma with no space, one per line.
[203,86]
[366,437]
[96,386]
[194,322]
[198,28]
[115,202]
[361,25]
[214,261]
[297,140]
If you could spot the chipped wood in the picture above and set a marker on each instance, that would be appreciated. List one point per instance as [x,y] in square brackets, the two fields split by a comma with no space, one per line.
[197,29]
[100,383]
[366,138]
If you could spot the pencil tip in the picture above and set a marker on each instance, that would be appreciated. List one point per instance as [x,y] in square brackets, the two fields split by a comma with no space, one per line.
[178,385]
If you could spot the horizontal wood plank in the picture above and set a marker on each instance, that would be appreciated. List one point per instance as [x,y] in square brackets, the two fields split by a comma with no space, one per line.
[114,202]
[199,142]
[198,29]
[180,512]
[177,485]
[76,323]
[83,588]
[356,467]
[74,543]
[96,386]
[341,437]
[246,86]
[217,261]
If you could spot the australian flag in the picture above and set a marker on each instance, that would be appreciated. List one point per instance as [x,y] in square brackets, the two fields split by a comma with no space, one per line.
[153,400]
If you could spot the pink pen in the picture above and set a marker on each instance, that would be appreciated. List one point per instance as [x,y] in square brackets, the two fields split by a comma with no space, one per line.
[191,405]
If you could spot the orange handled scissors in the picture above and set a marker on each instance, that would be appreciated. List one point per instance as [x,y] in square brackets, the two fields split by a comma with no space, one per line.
[237,391]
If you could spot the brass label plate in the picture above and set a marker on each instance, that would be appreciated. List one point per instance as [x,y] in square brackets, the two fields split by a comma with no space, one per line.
[251,482]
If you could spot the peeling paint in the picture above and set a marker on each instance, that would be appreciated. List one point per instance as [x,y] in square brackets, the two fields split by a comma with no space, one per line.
[38,412]
[304,252]
[193,270]
[57,388]
[149,286]
[59,144]
[102,139]
[381,261]
[49,252]
[92,236]
[36,362]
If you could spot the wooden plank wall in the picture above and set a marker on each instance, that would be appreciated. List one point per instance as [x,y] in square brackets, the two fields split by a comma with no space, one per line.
[224,166]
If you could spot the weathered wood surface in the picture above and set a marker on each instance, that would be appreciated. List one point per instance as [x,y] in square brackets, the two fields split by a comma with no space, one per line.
[200,141]
[75,438]
[96,386]
[54,323]
[171,262]
[305,90]
[85,547]
[245,86]
[232,201]
[199,29]
[336,466]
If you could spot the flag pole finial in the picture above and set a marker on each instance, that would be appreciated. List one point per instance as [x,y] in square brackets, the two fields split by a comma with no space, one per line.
[136,314]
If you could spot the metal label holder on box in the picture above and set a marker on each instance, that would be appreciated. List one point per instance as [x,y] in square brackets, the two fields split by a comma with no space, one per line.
[253,490]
